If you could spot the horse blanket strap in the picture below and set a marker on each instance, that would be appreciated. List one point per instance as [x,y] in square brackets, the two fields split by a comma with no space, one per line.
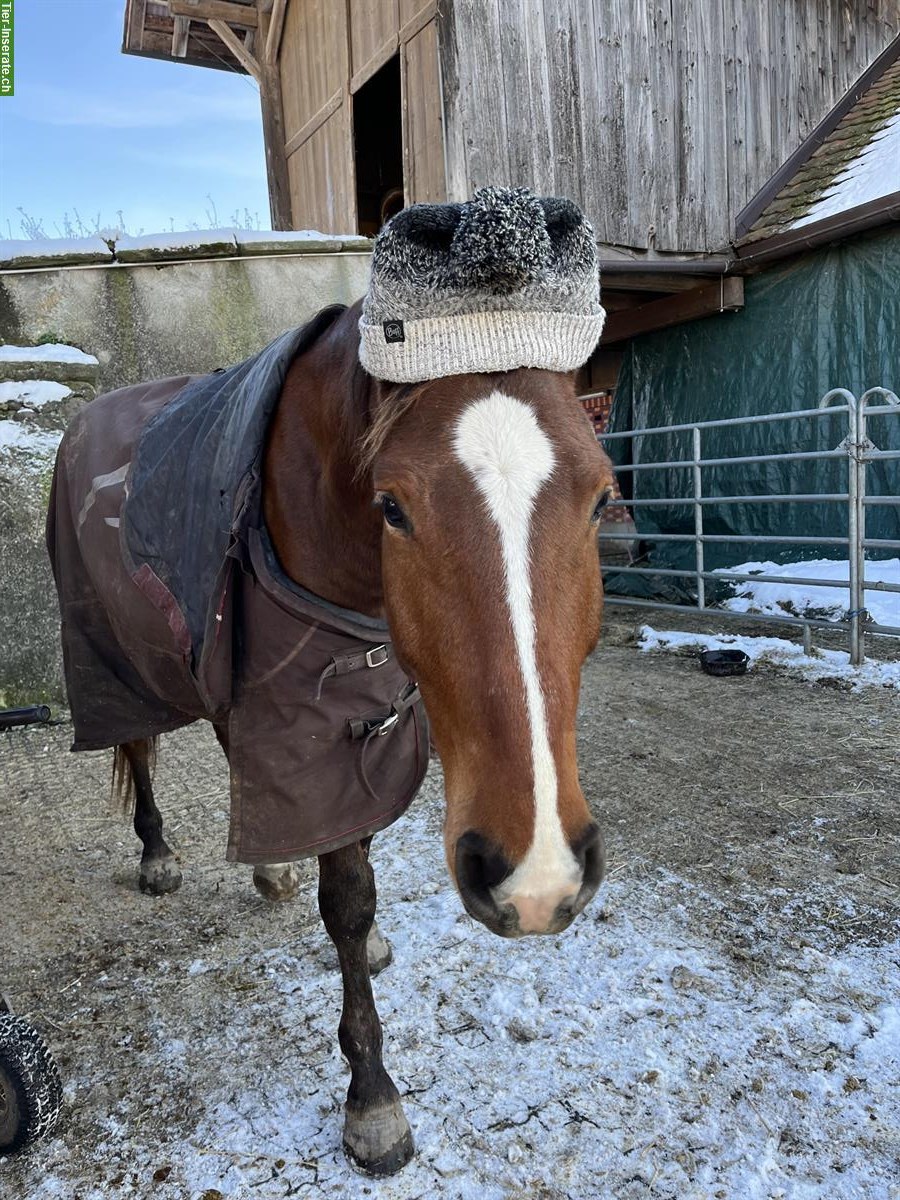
[364,727]
[175,608]
[343,664]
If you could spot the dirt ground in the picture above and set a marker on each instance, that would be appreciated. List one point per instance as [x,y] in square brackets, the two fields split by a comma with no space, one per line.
[721,1023]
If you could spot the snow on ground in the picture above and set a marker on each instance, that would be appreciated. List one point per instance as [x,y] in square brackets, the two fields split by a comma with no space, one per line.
[872,174]
[632,1057]
[720,1024]
[54,352]
[792,599]
[33,393]
[821,664]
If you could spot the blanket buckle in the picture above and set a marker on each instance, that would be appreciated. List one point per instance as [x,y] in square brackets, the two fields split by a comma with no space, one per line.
[377,656]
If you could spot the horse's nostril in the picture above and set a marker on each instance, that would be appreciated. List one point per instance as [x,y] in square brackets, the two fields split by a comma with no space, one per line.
[591,853]
[480,866]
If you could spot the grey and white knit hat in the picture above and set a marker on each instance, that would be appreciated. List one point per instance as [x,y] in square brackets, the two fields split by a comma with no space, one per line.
[507,280]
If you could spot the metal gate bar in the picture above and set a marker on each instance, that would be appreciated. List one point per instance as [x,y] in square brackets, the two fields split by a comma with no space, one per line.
[858,450]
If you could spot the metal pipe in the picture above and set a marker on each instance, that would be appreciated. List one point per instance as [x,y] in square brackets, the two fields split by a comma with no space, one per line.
[751,458]
[758,419]
[734,576]
[698,520]
[737,537]
[682,501]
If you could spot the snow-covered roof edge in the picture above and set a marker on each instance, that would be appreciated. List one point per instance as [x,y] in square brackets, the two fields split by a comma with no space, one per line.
[819,186]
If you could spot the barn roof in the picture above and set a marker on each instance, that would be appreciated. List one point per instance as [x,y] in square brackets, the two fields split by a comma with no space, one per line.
[845,176]
[179,30]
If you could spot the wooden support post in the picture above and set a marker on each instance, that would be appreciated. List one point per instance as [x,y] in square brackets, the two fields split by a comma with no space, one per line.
[271,23]
[180,32]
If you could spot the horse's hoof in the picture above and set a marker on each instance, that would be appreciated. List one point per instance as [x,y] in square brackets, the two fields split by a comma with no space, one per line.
[278,882]
[378,950]
[159,876]
[379,1141]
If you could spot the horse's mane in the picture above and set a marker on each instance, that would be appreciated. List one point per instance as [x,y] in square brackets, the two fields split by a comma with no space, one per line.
[393,401]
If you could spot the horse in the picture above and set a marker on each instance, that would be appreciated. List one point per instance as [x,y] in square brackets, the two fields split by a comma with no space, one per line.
[463,511]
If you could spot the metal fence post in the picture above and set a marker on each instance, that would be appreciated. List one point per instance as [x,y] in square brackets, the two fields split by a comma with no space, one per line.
[698,519]
[854,542]
[858,551]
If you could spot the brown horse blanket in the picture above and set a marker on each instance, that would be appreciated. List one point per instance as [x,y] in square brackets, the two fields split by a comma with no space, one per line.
[174,608]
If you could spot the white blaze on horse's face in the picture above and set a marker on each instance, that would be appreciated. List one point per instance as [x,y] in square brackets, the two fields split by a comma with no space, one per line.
[510,459]
[492,588]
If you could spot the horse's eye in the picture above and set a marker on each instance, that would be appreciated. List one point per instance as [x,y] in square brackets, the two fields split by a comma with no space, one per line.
[393,513]
[600,505]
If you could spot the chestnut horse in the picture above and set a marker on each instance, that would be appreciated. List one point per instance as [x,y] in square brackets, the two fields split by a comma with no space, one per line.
[465,510]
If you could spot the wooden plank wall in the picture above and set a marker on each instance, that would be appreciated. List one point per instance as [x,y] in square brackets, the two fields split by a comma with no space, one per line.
[314,67]
[661,117]
[329,49]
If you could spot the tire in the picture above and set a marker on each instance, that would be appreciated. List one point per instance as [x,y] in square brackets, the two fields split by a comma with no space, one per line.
[30,1087]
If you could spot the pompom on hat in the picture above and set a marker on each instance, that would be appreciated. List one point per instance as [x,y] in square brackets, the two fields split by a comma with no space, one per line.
[506,280]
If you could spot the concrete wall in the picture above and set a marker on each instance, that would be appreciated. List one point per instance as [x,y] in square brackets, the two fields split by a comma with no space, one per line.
[142,320]
[148,320]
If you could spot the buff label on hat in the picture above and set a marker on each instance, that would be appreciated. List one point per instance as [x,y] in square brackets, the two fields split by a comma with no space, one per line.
[393,331]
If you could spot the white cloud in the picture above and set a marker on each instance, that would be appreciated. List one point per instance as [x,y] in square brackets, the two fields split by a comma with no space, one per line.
[162,108]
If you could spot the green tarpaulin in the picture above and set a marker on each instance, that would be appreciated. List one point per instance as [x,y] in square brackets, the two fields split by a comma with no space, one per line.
[828,319]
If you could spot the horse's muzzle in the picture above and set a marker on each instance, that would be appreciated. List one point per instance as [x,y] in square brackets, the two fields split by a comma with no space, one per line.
[481,867]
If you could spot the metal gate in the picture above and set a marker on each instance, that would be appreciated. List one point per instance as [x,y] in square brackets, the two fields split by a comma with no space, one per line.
[857,448]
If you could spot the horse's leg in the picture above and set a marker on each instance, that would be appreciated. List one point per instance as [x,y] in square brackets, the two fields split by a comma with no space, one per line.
[378,948]
[159,870]
[376,1133]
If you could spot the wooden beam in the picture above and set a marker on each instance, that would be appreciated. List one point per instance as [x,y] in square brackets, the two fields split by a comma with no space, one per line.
[236,46]
[216,10]
[382,55]
[725,295]
[306,131]
[277,174]
[181,30]
[651,281]
[276,28]
[417,23]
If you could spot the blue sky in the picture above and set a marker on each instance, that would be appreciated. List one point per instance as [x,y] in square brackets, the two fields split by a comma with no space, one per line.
[97,131]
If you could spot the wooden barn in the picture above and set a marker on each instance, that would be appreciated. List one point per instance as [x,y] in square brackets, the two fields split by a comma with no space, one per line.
[661,118]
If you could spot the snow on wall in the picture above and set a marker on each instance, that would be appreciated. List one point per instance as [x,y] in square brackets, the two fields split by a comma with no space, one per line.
[54,352]
[33,393]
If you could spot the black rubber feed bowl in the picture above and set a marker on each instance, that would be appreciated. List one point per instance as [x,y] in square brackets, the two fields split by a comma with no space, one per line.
[724,662]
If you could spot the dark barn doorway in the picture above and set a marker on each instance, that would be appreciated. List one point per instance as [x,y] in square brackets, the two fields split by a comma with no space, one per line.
[378,148]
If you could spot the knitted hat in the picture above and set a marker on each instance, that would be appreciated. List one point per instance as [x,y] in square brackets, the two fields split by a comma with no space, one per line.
[506,280]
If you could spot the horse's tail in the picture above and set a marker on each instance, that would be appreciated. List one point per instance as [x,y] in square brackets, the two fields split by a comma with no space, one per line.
[128,758]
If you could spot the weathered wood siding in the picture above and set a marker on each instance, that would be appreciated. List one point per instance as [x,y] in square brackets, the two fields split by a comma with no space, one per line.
[329,50]
[661,117]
